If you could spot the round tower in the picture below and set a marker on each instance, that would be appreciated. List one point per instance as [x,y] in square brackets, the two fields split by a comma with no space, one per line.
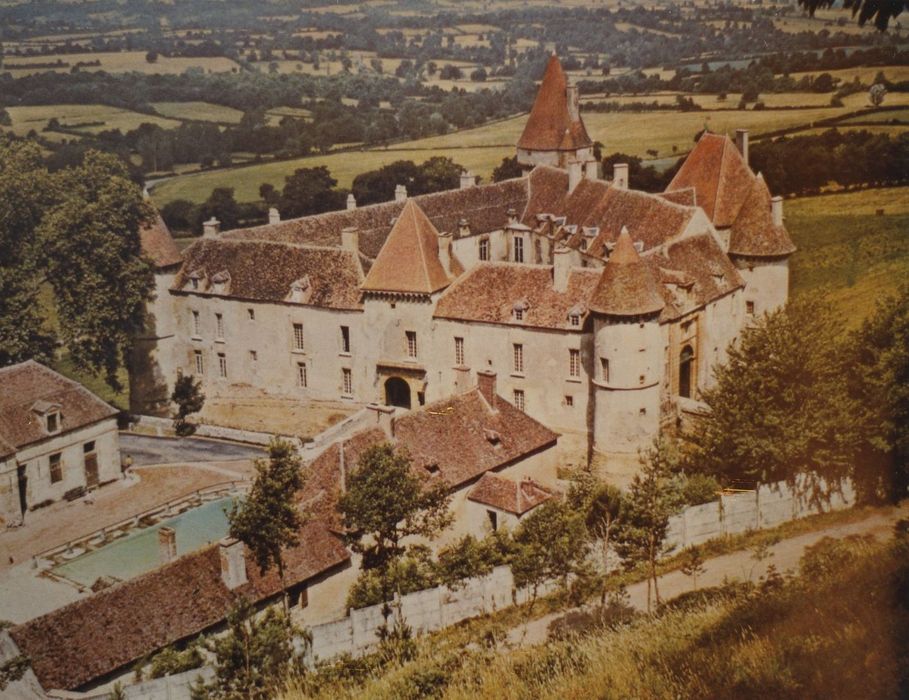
[628,346]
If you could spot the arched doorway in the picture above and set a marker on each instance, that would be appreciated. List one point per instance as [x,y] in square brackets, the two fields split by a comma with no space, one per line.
[686,361]
[397,392]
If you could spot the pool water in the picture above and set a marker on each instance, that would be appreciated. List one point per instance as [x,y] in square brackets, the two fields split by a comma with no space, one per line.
[138,553]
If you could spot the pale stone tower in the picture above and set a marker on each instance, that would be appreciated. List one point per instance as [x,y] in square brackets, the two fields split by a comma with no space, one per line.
[628,344]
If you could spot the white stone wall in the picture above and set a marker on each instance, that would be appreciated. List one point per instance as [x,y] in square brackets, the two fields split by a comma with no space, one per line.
[69,445]
[767,282]
[723,320]
[467,249]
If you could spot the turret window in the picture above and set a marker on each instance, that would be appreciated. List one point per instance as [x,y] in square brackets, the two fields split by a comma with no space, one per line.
[604,369]
[686,361]
[749,308]
[411,344]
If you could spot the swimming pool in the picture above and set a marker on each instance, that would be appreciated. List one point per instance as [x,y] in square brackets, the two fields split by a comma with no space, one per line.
[137,552]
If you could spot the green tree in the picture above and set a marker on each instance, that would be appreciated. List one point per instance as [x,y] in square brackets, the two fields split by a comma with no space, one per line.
[253,659]
[90,242]
[651,500]
[876,94]
[601,506]
[470,557]
[780,407]
[188,397]
[310,191]
[507,169]
[269,519]
[385,503]
[879,11]
[221,205]
[550,543]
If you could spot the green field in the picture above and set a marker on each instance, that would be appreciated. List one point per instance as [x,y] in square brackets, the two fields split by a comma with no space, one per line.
[123,62]
[849,251]
[102,118]
[199,111]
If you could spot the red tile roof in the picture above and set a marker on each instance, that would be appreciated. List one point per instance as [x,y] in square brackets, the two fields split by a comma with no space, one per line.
[550,126]
[158,245]
[261,271]
[95,636]
[719,176]
[627,286]
[409,259]
[754,233]
[516,497]
[488,292]
[23,385]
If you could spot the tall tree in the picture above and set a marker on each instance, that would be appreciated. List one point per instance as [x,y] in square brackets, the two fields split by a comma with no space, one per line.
[90,239]
[880,11]
[385,503]
[269,519]
[309,191]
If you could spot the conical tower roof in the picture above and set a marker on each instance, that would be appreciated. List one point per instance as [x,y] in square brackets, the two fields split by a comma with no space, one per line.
[550,126]
[627,286]
[409,259]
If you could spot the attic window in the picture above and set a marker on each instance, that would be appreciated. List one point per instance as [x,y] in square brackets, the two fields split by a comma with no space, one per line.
[575,313]
[53,422]
[519,309]
[639,246]
[493,437]
[300,290]
[559,221]
[194,278]
[433,469]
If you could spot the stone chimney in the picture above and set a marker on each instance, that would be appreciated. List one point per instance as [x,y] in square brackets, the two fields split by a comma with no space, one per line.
[574,103]
[274,216]
[575,175]
[351,202]
[233,562]
[167,544]
[211,228]
[463,228]
[741,142]
[467,179]
[776,210]
[620,176]
[561,267]
[591,170]
[350,239]
[400,193]
[486,383]
[384,418]
[445,251]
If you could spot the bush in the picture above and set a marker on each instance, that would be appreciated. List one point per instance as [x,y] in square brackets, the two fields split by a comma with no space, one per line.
[613,614]
[830,557]
[699,488]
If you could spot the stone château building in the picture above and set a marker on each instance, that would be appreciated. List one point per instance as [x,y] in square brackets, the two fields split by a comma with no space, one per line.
[600,309]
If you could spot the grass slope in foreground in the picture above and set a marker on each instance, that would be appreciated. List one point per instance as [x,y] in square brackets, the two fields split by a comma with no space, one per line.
[849,251]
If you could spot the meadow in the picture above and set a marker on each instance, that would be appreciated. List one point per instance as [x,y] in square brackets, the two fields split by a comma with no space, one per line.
[199,111]
[95,117]
[123,62]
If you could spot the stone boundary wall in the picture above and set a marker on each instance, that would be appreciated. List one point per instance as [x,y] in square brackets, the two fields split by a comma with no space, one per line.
[175,687]
[164,427]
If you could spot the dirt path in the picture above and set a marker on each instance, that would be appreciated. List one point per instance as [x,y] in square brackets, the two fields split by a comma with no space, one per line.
[739,565]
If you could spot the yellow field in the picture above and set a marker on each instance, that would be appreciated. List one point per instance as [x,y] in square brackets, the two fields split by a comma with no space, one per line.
[201,111]
[865,74]
[124,62]
[823,19]
[27,118]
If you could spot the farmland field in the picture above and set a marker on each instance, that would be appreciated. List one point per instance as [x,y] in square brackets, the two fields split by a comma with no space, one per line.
[122,62]
[27,118]
[199,111]
[847,249]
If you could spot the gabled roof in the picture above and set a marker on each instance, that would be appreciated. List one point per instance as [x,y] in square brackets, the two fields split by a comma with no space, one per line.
[719,176]
[516,497]
[409,259]
[754,233]
[28,385]
[627,286]
[550,126]
[158,245]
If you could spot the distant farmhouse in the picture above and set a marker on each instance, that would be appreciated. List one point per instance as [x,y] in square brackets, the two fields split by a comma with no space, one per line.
[57,440]
[600,309]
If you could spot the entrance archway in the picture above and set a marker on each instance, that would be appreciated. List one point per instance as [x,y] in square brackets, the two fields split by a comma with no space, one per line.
[686,360]
[397,392]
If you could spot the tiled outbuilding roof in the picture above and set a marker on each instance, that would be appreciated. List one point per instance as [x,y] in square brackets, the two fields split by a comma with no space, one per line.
[23,386]
[627,285]
[754,233]
[260,271]
[158,245]
[516,497]
[488,292]
[550,126]
[98,635]
[409,259]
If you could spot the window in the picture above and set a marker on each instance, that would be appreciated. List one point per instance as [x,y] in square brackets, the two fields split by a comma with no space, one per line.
[518,359]
[574,363]
[575,320]
[604,367]
[519,399]
[298,336]
[53,422]
[251,314]
[493,520]
[569,401]
[219,325]
[347,381]
[518,249]
[56,468]
[749,308]
[253,357]
[222,365]
[345,339]
[642,412]
[641,380]
[459,352]
[484,249]
[195,282]
[197,326]
[302,379]
[411,343]
[200,363]
[88,447]
[686,361]
[519,314]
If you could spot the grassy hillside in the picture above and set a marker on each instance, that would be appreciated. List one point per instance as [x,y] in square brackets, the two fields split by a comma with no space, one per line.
[839,630]
[847,249]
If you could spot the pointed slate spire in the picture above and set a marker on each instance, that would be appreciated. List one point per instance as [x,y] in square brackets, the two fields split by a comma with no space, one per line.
[627,286]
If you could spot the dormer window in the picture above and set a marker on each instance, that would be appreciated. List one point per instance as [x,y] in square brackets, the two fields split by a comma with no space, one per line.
[220,282]
[493,437]
[639,246]
[53,422]
[433,469]
[300,291]
[195,278]
[575,314]
[49,415]
[519,309]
